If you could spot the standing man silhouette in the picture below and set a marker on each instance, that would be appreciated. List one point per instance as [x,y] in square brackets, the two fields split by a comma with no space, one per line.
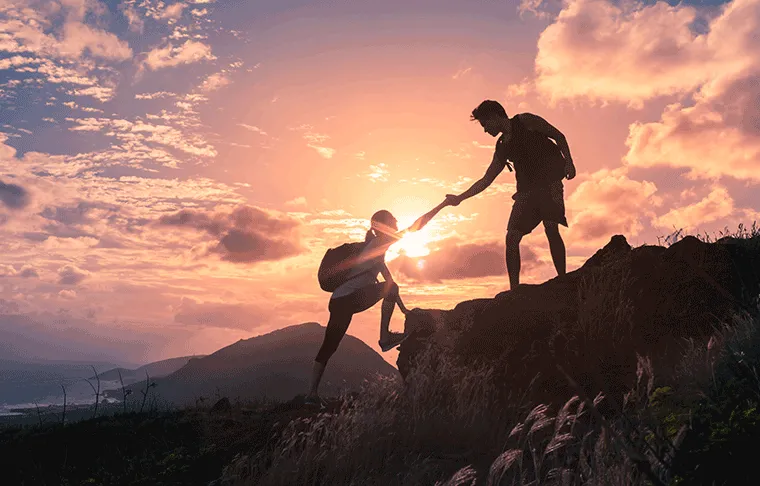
[541,159]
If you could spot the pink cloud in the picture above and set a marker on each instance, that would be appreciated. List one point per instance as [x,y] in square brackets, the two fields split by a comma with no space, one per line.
[718,136]
[604,50]
[170,56]
[717,205]
[215,82]
[609,203]
[79,38]
[632,52]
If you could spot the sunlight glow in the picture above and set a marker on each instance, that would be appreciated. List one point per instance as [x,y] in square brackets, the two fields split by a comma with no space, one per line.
[413,244]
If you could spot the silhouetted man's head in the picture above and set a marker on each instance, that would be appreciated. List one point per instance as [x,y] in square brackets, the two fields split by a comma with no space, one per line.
[491,116]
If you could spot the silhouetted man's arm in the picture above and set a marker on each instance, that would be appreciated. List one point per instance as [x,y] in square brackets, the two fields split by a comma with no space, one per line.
[538,124]
[493,171]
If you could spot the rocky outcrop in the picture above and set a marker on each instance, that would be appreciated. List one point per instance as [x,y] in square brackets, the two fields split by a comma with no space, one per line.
[593,321]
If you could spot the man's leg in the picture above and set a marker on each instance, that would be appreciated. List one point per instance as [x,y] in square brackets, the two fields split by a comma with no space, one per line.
[513,257]
[523,219]
[556,246]
[553,214]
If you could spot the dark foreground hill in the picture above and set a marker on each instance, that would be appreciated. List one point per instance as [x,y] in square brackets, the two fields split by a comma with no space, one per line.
[592,322]
[663,344]
[274,366]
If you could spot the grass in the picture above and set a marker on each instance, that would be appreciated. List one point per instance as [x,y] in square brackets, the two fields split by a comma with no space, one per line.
[449,428]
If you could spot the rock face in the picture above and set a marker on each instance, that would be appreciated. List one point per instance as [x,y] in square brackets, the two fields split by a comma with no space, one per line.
[593,321]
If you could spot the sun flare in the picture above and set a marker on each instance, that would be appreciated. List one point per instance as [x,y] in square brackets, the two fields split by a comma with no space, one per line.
[413,244]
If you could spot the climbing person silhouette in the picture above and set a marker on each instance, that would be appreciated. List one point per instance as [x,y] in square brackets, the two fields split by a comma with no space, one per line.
[361,291]
[541,159]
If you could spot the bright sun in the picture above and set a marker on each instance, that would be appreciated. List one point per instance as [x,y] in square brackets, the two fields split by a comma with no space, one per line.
[413,244]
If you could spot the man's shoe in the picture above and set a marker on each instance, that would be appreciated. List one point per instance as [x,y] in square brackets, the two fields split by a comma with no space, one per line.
[394,340]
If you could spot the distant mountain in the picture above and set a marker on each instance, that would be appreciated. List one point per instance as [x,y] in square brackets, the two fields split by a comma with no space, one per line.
[276,365]
[157,369]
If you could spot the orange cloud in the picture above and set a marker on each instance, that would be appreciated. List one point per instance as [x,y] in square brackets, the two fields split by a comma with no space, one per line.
[635,51]
[79,38]
[30,27]
[718,204]
[630,52]
[170,56]
[215,82]
[609,203]
[717,137]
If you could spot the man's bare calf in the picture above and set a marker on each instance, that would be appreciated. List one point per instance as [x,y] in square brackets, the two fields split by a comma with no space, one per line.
[556,247]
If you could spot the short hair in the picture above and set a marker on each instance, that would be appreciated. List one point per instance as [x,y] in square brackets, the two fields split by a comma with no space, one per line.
[488,109]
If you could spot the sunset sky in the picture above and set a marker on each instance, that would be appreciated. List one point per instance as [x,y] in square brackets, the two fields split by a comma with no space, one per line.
[173,172]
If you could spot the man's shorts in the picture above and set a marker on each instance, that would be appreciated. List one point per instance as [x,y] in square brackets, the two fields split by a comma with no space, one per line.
[531,208]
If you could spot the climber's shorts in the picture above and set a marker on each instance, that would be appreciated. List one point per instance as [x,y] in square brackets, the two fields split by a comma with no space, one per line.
[531,208]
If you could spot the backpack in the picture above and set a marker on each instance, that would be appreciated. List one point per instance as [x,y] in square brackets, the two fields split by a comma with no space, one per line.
[525,148]
[337,264]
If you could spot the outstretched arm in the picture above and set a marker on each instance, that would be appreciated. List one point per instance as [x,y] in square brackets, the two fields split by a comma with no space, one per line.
[497,165]
[538,124]
[425,218]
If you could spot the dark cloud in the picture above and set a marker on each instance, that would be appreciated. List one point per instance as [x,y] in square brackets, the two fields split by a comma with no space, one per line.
[35,236]
[13,195]
[25,272]
[71,221]
[71,275]
[245,235]
[29,272]
[68,215]
[66,231]
[243,246]
[457,260]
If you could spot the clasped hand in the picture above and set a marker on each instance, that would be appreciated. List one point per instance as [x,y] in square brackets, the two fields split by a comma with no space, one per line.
[452,200]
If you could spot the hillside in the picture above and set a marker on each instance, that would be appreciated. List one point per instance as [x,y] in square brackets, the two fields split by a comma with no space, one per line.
[275,366]
[593,322]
